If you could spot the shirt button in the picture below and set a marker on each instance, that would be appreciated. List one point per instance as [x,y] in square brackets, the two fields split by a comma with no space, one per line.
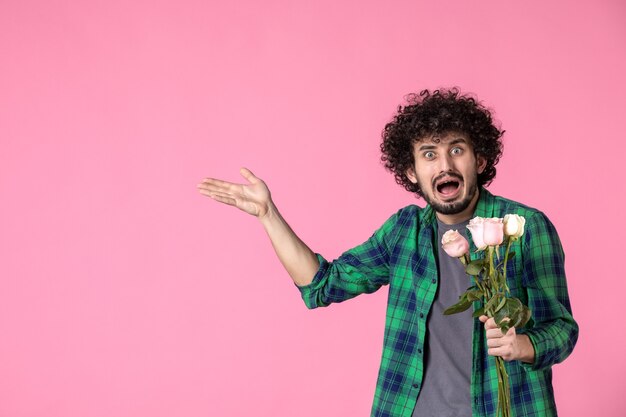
[475,400]
[419,350]
[434,281]
[421,315]
[416,385]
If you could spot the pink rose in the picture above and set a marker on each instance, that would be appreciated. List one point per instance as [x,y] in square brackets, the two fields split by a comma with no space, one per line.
[475,227]
[493,233]
[454,244]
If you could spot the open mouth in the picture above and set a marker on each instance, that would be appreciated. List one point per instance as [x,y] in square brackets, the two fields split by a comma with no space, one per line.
[448,187]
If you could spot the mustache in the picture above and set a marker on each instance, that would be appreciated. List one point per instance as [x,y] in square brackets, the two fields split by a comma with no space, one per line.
[447,174]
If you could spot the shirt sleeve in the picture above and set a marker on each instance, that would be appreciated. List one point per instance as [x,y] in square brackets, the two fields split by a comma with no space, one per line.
[363,269]
[554,332]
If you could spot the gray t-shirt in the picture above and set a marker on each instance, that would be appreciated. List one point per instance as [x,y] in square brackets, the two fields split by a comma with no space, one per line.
[448,358]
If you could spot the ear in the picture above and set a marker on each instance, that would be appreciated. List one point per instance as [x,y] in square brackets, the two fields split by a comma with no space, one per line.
[410,174]
[481,163]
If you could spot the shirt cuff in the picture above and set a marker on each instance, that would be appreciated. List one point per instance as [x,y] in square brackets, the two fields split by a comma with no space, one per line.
[309,291]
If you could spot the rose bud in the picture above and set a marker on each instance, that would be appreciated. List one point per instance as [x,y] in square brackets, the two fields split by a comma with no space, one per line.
[493,233]
[514,225]
[475,227]
[454,244]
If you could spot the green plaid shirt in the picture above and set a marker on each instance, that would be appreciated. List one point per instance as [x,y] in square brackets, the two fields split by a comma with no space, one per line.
[403,255]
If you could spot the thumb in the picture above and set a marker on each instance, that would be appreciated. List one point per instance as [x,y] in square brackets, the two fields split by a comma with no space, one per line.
[247,174]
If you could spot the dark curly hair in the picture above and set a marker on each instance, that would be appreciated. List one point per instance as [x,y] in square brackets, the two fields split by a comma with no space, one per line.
[437,113]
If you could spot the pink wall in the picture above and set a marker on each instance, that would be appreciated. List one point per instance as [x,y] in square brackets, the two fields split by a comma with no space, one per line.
[123,292]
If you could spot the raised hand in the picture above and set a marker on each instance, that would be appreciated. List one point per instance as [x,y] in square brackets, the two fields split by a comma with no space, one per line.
[253,198]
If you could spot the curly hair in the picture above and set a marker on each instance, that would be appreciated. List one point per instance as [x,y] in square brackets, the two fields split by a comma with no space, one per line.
[442,111]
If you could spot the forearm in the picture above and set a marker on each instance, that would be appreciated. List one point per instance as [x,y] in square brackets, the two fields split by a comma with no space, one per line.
[300,262]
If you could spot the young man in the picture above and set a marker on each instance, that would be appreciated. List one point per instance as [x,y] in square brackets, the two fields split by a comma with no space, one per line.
[444,147]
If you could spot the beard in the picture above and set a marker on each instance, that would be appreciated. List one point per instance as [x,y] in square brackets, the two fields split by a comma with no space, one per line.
[454,207]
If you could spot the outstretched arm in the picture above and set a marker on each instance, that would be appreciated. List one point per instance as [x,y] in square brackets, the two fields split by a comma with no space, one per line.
[255,198]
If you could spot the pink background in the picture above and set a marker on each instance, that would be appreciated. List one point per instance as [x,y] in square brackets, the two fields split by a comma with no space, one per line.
[123,292]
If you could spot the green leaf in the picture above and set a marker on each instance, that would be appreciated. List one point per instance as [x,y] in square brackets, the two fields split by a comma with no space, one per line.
[522,316]
[459,307]
[493,301]
[504,326]
[515,304]
[479,312]
[512,307]
[474,295]
[511,255]
[525,316]
[500,278]
[475,266]
[515,319]
[502,302]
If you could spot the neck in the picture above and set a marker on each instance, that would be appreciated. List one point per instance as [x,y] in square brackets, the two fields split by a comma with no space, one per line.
[462,216]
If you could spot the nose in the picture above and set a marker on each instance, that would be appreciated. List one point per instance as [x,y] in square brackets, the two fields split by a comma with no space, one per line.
[445,163]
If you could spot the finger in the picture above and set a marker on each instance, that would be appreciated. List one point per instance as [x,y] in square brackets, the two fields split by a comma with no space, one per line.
[218,185]
[247,174]
[231,192]
[213,189]
[503,352]
[209,188]
[494,333]
[223,199]
[490,324]
[495,343]
[483,318]
[222,196]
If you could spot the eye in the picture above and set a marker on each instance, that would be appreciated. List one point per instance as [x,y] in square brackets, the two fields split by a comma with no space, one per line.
[456,151]
[429,154]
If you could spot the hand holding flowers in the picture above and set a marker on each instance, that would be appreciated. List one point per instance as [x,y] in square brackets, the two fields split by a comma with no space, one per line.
[510,345]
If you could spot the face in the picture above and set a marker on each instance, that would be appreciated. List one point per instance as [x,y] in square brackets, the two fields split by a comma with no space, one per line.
[446,169]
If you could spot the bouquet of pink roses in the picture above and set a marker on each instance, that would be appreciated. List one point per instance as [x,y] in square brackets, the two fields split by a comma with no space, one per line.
[490,287]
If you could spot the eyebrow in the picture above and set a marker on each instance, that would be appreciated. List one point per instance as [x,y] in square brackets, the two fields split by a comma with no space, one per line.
[457,140]
[428,147]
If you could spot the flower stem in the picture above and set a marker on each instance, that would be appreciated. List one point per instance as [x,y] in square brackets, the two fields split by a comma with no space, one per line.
[504,393]
[493,286]
[491,271]
[506,259]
